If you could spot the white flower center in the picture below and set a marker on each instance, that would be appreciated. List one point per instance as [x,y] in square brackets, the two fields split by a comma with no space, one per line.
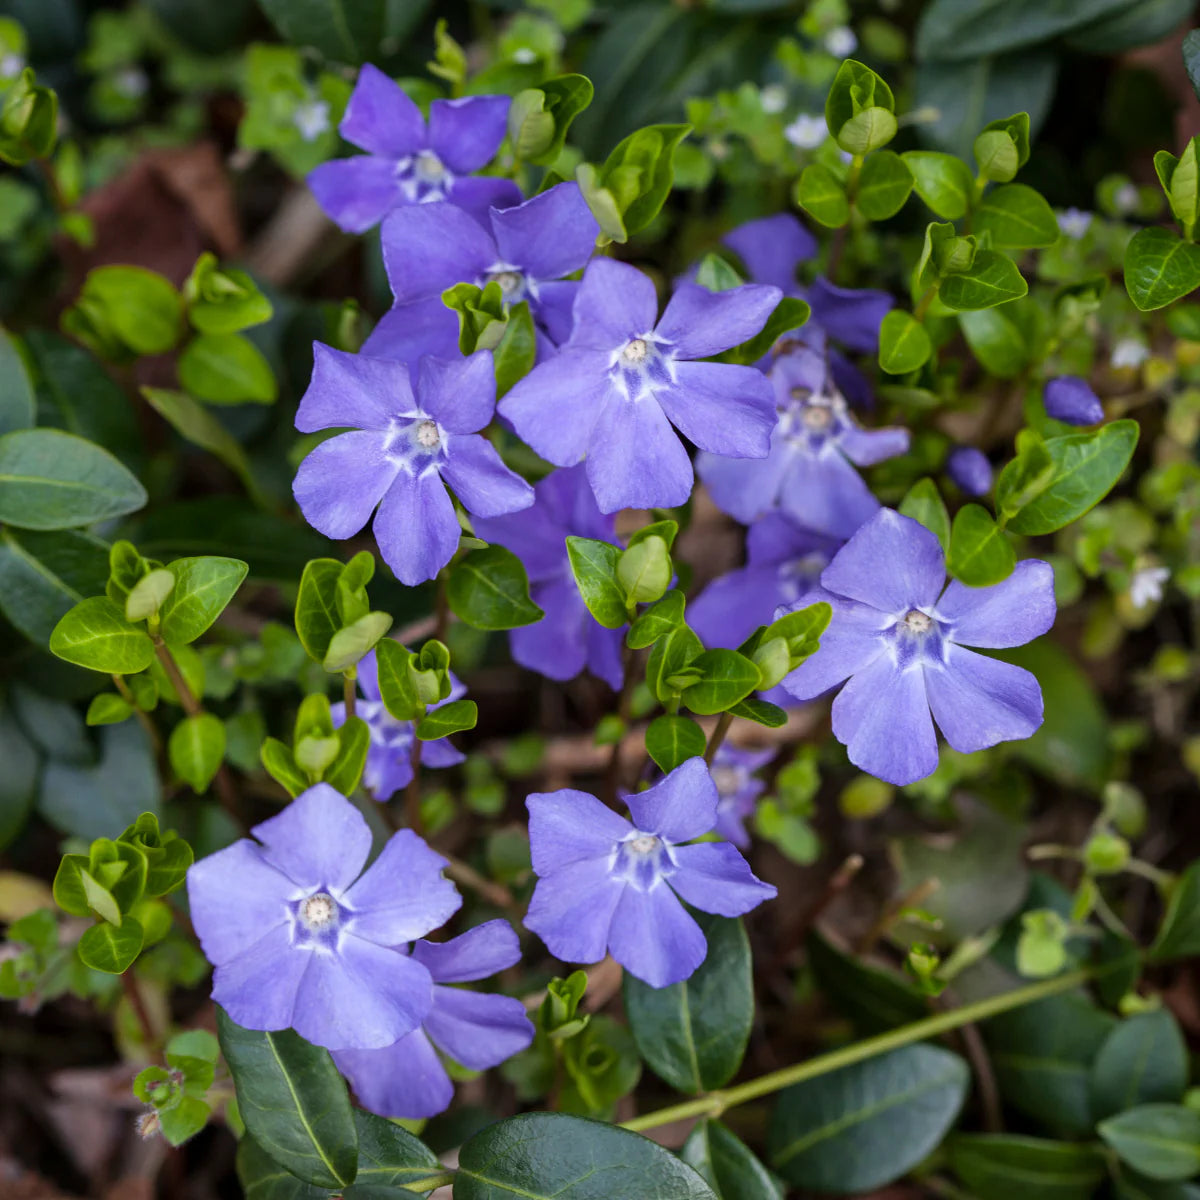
[644,843]
[917,621]
[817,417]
[509,281]
[428,436]
[635,352]
[319,911]
[428,167]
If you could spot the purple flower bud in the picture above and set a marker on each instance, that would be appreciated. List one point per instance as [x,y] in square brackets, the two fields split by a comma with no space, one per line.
[970,469]
[1068,398]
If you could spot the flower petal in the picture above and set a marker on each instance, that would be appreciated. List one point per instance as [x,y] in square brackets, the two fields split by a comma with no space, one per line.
[866,447]
[850,643]
[477,1029]
[352,391]
[405,1080]
[605,648]
[715,878]
[356,193]
[258,989]
[892,563]
[635,459]
[571,910]
[735,605]
[721,407]
[555,646]
[653,937]
[430,247]
[465,134]
[555,407]
[406,332]
[772,248]
[1009,613]
[380,117]
[615,302]
[402,895]
[550,235]
[569,826]
[700,323]
[476,954]
[978,701]
[320,840]
[824,492]
[477,195]
[746,488]
[553,309]
[481,481]
[416,528]
[459,393]
[851,316]
[1070,399]
[681,806]
[340,482]
[882,718]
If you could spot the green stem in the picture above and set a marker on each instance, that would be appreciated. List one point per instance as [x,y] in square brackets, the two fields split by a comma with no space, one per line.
[922,309]
[430,1182]
[412,793]
[349,690]
[715,1103]
[142,716]
[717,737]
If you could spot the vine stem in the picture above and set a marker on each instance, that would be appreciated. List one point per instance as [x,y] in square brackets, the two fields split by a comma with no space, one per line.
[717,737]
[134,995]
[412,793]
[715,1103]
[143,717]
[350,691]
[430,1182]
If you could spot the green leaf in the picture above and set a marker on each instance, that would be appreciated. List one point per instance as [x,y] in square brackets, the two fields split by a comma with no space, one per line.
[923,502]
[262,1178]
[449,718]
[855,88]
[671,740]
[1086,468]
[672,655]
[884,184]
[540,117]
[293,1102]
[873,998]
[1161,1141]
[353,643]
[694,1034]
[1191,58]
[943,181]
[196,748]
[203,588]
[992,279]
[111,948]
[637,176]
[991,1164]
[146,596]
[388,1157]
[28,121]
[823,196]
[227,368]
[397,684]
[17,402]
[1179,934]
[54,480]
[280,764]
[980,555]
[865,1125]
[514,356]
[1143,1061]
[789,314]
[43,575]
[1017,217]
[717,274]
[108,709]
[657,621]
[594,565]
[354,740]
[550,1156]
[77,892]
[904,343]
[184,1120]
[727,1164]
[726,677]
[867,130]
[347,31]
[1180,179]
[141,308]
[488,589]
[762,712]
[644,570]
[317,616]
[223,300]
[1160,267]
[996,341]
[95,634]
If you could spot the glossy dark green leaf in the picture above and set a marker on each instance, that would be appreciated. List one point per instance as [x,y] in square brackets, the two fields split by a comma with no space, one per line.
[1161,1141]
[43,575]
[354,738]
[54,480]
[196,747]
[1191,59]
[923,502]
[1086,468]
[980,554]
[262,1178]
[726,677]
[904,343]
[540,117]
[1179,934]
[293,1101]
[18,780]
[489,589]
[1160,267]
[727,1164]
[513,357]
[995,340]
[657,621]
[17,402]
[203,588]
[693,1034]
[111,948]
[317,617]
[227,368]
[671,740]
[1140,24]
[864,1126]
[823,196]
[388,1157]
[943,181]
[855,87]
[280,764]
[447,719]
[95,634]
[874,999]
[347,31]
[550,1156]
[991,1164]
[992,279]
[594,565]
[884,184]
[142,308]
[1143,1061]
[1017,217]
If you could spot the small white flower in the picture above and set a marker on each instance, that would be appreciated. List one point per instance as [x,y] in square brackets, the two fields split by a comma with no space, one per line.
[524,55]
[11,65]
[773,98]
[1074,222]
[1146,587]
[841,42]
[1129,352]
[806,132]
[312,119]
[1125,198]
[131,82]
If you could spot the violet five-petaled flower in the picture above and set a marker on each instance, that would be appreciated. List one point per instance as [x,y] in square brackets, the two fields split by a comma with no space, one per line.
[300,936]
[606,884]
[389,754]
[623,379]
[403,448]
[409,162]
[898,642]
[1070,399]
[526,250]
[738,789]
[568,638]
[808,472]
[475,1029]
[968,466]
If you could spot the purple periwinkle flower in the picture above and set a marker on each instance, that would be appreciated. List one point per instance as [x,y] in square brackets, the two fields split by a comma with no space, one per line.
[299,935]
[526,249]
[409,162]
[970,470]
[1068,398]
[783,563]
[808,472]
[402,450]
[389,755]
[900,641]
[568,638]
[621,381]
[608,885]
[476,1029]
[738,789]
